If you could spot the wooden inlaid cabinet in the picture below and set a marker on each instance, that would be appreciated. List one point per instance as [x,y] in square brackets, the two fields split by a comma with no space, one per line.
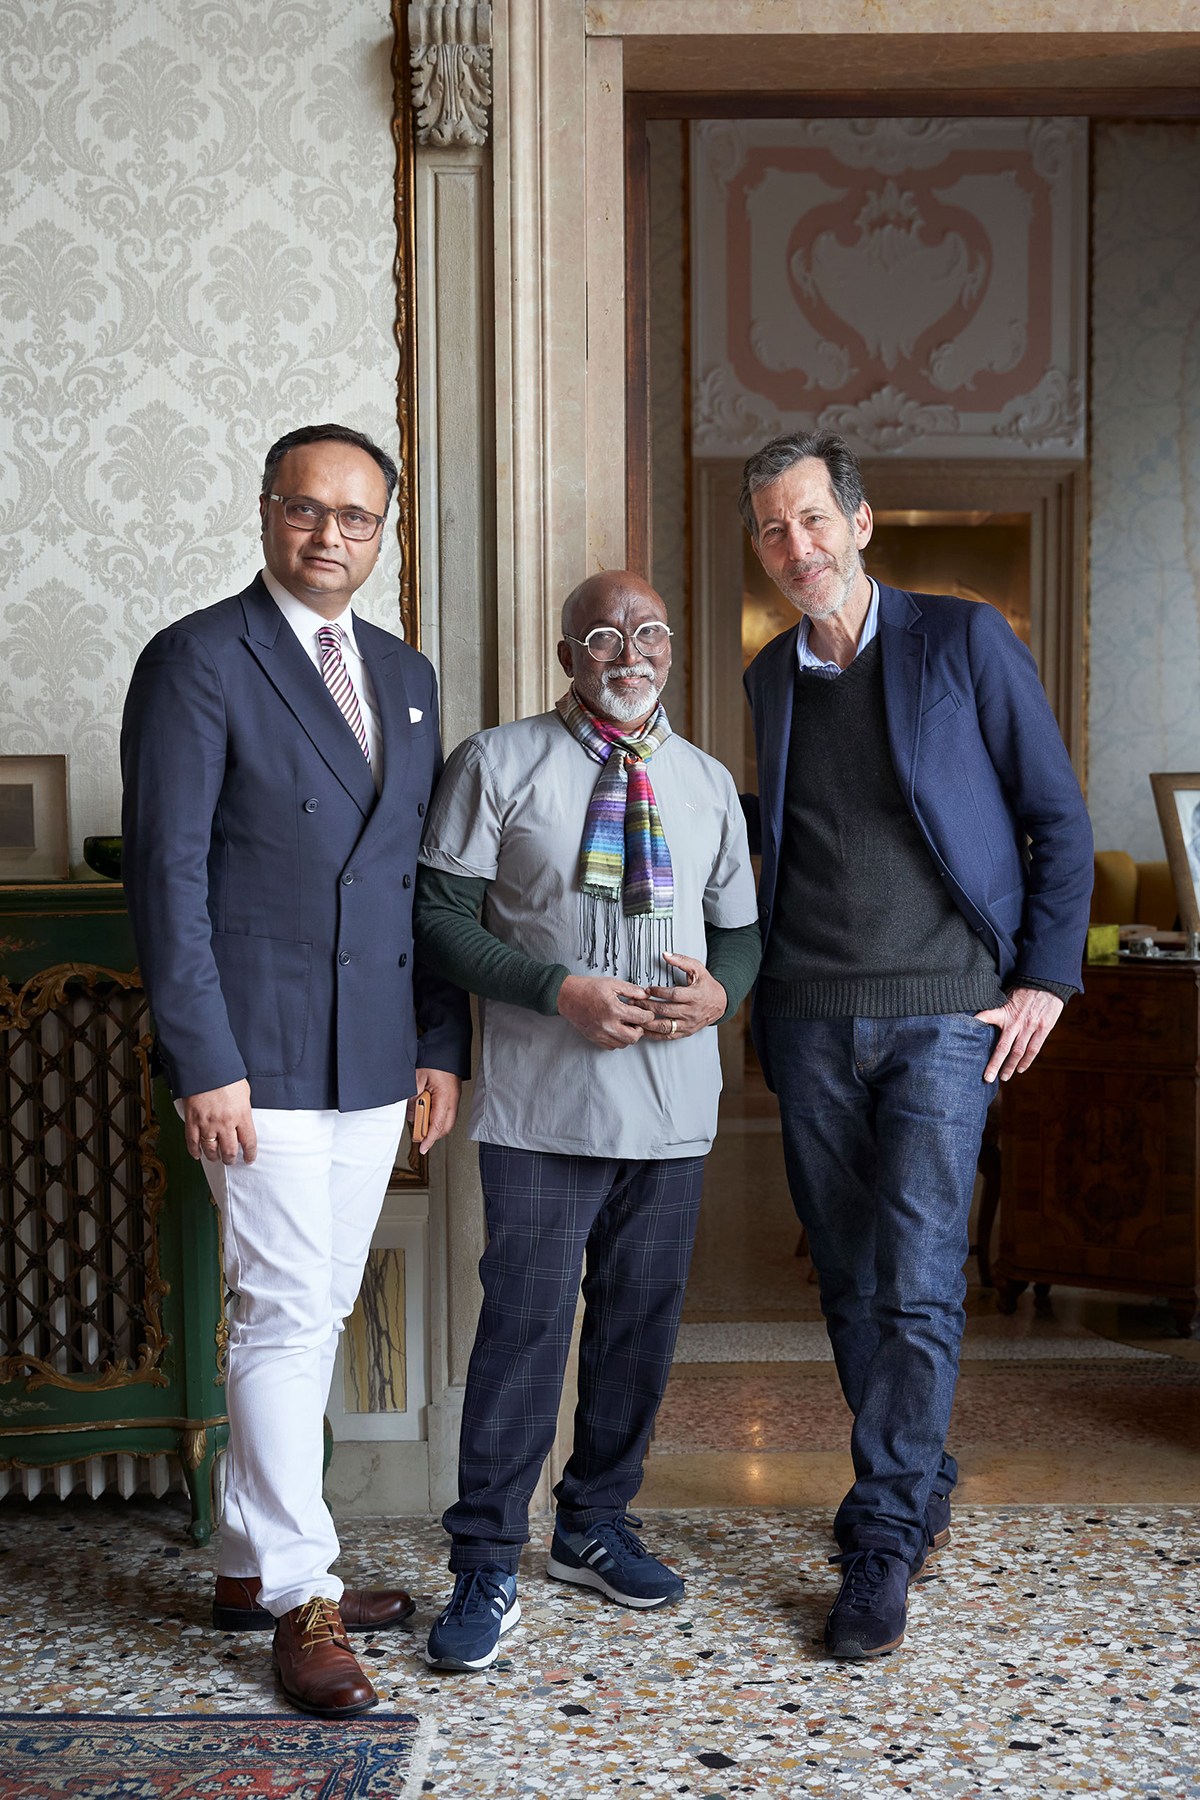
[1100,1144]
[112,1330]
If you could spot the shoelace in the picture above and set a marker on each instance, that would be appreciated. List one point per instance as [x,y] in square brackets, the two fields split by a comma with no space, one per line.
[617,1537]
[320,1622]
[866,1575]
[477,1594]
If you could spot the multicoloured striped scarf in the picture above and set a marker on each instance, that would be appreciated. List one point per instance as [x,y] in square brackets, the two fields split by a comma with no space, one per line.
[624,862]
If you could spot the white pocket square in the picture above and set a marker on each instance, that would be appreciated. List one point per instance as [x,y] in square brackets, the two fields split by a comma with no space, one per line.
[414,713]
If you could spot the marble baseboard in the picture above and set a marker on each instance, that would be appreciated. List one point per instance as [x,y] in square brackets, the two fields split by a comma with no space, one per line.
[378,1477]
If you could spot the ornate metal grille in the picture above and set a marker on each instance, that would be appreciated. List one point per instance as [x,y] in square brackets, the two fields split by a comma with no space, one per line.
[80,1189]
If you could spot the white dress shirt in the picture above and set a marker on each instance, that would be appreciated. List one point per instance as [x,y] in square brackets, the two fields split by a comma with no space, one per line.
[306,624]
[808,660]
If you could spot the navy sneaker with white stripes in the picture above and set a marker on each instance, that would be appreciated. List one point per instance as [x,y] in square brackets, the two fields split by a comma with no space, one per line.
[609,1557]
[467,1634]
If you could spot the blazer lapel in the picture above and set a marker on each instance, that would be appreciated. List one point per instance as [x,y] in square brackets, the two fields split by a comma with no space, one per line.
[381,654]
[295,678]
[902,648]
[778,689]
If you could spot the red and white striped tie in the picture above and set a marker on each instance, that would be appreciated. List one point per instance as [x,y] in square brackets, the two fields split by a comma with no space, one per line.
[333,668]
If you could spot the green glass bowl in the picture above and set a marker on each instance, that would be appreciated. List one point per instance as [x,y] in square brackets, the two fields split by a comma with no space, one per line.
[103,854]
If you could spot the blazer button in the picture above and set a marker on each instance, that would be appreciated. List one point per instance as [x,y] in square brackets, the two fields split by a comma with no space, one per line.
[420,809]
[403,958]
[408,881]
[347,880]
[311,805]
[343,956]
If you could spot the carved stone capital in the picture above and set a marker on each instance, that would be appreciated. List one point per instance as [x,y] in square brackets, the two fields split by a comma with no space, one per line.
[450,44]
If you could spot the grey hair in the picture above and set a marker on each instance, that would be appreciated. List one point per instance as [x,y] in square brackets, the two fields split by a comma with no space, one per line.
[782,453]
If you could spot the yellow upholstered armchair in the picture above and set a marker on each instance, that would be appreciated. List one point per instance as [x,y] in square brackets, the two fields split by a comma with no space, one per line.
[1133,893]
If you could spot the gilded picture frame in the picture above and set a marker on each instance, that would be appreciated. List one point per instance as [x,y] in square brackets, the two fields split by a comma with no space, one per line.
[1177,798]
[404,328]
[35,839]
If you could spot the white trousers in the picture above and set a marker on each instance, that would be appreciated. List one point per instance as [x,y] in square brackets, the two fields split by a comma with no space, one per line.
[297,1225]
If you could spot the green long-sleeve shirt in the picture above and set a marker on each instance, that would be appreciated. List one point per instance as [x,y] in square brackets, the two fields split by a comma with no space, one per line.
[451,940]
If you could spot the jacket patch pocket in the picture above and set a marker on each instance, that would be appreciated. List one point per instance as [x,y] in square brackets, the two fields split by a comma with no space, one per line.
[265,982]
[939,712]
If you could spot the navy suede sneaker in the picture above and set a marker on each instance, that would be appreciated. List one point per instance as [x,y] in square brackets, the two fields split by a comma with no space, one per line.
[610,1558]
[870,1613]
[937,1522]
[467,1634]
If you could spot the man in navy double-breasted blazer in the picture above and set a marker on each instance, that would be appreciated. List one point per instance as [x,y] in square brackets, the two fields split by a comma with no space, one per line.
[279,755]
[926,877]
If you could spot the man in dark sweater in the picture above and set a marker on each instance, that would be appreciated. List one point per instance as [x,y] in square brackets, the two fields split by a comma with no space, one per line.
[926,875]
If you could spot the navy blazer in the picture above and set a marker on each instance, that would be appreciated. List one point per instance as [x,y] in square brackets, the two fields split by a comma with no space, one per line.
[982,765]
[269,888]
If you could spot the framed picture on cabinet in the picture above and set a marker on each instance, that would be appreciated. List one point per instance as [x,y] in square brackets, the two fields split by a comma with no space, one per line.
[1177,798]
[34,835]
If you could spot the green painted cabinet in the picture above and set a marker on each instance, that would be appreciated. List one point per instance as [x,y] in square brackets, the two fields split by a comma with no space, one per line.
[112,1329]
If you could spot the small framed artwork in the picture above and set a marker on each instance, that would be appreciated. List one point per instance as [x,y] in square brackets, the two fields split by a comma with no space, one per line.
[34,838]
[1177,798]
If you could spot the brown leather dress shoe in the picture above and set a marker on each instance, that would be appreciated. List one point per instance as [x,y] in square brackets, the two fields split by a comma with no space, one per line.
[317,1667]
[236,1608]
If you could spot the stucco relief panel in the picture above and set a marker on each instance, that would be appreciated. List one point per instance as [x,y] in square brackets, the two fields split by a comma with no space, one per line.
[196,255]
[918,285]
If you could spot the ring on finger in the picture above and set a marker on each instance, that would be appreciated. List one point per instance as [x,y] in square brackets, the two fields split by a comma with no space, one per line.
[674,1028]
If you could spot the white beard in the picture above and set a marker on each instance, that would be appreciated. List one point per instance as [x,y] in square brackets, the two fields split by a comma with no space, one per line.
[625,707]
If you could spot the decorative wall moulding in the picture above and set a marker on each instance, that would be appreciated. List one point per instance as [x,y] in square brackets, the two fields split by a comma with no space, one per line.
[450,44]
[918,285]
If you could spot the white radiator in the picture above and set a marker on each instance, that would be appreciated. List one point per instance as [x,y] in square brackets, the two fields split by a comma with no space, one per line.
[96,1475]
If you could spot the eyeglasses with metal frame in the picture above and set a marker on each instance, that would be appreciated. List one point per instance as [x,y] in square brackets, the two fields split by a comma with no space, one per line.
[303,514]
[604,643]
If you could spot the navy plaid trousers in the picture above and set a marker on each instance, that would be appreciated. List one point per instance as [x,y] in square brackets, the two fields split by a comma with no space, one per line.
[636,1223]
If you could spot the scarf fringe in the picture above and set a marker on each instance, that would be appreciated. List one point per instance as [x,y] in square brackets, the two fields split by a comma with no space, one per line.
[648,938]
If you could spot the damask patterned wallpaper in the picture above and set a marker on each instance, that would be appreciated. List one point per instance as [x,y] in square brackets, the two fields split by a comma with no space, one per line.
[196,242]
[1144,662]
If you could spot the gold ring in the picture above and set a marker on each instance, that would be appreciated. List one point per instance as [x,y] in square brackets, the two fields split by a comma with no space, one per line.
[674,1026]
[211,1140]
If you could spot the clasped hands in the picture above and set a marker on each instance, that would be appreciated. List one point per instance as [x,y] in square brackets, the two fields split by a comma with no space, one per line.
[611,1013]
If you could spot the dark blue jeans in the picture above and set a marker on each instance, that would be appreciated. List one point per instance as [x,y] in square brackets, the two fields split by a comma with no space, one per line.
[882,1120]
[629,1226]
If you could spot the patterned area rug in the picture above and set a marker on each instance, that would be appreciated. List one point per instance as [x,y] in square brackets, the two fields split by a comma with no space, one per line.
[170,1757]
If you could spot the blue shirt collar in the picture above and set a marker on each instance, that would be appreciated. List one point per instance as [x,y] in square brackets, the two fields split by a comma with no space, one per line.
[806,658]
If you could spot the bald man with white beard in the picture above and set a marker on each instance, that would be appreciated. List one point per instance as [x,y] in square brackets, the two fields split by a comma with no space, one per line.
[608,859]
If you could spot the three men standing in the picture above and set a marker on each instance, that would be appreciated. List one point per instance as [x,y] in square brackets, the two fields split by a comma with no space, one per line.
[279,755]
[609,859]
[926,874]
[923,906]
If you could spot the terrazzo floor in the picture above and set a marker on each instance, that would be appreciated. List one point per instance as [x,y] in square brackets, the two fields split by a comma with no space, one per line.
[992,1339]
[1120,1407]
[1051,1650]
